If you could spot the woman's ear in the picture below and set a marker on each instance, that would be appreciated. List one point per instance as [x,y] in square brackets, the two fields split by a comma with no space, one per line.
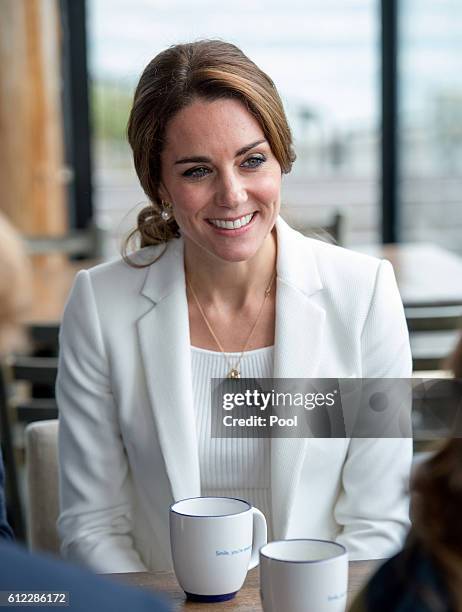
[163,193]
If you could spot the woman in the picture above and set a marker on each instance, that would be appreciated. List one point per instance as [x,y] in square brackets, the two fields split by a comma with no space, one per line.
[427,575]
[222,288]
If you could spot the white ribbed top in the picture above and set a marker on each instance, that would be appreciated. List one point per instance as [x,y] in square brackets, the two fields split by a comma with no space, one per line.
[231,467]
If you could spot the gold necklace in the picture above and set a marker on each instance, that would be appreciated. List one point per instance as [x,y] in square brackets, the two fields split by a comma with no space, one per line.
[234,371]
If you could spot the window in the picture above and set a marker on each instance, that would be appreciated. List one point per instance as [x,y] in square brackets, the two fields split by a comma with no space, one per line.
[430,111]
[324,59]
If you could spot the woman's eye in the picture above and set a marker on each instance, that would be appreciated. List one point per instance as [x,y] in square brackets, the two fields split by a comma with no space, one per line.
[198,172]
[254,161]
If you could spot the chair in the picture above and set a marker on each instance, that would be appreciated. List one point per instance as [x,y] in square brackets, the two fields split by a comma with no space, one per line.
[23,406]
[86,243]
[42,485]
[431,349]
[40,373]
[13,496]
[44,338]
[44,342]
[433,332]
[332,232]
[433,318]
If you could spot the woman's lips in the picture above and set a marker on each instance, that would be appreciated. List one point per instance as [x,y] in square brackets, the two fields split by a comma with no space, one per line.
[238,231]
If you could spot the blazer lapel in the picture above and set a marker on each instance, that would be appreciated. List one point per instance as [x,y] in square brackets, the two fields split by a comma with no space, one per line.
[298,338]
[165,342]
[164,339]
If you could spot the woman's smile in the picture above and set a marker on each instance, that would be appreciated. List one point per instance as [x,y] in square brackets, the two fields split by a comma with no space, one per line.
[236,226]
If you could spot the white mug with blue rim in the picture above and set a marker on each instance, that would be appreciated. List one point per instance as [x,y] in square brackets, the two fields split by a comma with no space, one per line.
[215,541]
[303,576]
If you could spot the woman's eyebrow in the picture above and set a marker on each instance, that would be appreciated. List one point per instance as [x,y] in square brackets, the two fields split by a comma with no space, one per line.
[200,159]
[249,146]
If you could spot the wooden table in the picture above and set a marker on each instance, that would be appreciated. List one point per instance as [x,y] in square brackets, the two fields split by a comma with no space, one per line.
[427,275]
[248,598]
[52,278]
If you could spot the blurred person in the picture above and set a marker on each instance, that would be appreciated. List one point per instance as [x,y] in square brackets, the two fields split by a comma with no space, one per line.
[14,298]
[19,570]
[15,280]
[426,576]
[5,530]
[221,287]
[32,573]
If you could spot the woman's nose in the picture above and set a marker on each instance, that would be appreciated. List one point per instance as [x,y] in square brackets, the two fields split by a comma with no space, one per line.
[231,192]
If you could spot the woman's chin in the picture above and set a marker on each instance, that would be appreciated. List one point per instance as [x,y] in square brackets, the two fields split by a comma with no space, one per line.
[234,255]
[230,251]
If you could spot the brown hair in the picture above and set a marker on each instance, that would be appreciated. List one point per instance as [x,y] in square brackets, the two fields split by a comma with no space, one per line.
[206,69]
[15,282]
[437,487]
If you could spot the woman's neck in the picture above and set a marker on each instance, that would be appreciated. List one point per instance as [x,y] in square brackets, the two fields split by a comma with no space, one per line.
[235,283]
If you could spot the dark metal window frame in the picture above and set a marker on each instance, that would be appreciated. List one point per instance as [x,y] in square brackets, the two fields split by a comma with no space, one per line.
[389,130]
[76,112]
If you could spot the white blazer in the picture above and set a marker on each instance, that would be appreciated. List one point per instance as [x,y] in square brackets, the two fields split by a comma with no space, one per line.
[127,437]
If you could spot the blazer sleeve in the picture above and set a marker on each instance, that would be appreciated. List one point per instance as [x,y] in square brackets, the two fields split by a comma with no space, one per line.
[373,507]
[95,485]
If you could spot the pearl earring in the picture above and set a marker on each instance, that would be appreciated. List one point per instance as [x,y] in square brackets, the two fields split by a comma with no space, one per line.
[166,212]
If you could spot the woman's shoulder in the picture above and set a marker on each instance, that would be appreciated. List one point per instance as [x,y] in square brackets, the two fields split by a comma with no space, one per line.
[136,262]
[119,279]
[329,254]
[135,265]
[336,267]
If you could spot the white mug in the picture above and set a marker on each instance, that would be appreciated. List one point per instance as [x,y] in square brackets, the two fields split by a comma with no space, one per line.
[214,541]
[303,576]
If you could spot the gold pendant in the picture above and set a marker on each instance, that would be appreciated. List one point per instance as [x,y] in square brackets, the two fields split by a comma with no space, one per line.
[233,373]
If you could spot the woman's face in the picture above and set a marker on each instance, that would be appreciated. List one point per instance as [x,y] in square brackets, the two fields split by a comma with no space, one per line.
[222,179]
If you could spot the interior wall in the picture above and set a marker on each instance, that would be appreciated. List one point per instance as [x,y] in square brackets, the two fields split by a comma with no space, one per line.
[32,171]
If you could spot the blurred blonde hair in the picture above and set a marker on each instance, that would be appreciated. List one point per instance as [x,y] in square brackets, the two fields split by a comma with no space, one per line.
[15,281]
